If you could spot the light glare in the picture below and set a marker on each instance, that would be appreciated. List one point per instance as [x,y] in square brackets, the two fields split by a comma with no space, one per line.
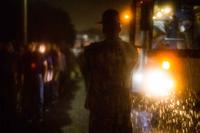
[127,16]
[167,10]
[159,15]
[42,49]
[137,77]
[158,84]
[166,65]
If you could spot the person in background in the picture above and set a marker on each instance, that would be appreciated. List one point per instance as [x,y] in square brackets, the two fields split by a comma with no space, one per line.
[32,92]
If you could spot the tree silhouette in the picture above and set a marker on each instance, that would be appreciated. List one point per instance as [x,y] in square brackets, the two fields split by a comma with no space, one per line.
[10,15]
[46,23]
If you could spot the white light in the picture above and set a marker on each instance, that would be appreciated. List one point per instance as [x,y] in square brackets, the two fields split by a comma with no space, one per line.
[85,37]
[42,48]
[159,14]
[137,77]
[166,65]
[48,76]
[182,28]
[158,84]
[167,10]
[137,81]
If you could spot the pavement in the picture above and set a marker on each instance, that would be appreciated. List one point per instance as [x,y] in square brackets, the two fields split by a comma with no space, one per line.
[66,115]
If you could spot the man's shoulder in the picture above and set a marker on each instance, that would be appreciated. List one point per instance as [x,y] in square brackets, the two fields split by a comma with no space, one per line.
[94,45]
[129,48]
[128,45]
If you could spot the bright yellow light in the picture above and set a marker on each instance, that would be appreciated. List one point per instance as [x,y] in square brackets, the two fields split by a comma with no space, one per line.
[166,65]
[127,17]
[167,10]
[42,48]
[163,13]
[158,84]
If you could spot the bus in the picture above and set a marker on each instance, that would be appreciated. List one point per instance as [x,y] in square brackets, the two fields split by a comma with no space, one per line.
[165,79]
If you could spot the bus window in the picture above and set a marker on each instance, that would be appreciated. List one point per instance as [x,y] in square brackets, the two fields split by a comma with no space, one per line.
[176,29]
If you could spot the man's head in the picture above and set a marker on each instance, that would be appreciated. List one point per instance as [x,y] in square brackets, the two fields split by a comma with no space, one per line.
[111,23]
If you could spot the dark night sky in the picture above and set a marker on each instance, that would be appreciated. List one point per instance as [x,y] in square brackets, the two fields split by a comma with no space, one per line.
[85,13]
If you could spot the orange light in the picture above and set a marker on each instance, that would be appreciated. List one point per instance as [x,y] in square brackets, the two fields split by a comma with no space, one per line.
[126,16]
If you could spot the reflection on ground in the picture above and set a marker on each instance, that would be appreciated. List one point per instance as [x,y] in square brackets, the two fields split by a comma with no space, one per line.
[67,115]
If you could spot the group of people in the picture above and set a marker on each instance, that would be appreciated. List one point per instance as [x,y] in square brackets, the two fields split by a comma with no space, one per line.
[39,73]
[31,80]
[41,68]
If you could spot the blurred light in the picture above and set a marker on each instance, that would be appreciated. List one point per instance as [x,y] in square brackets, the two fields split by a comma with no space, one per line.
[45,63]
[167,10]
[137,77]
[42,48]
[166,65]
[49,76]
[163,13]
[85,37]
[154,17]
[159,14]
[170,17]
[33,65]
[158,84]
[126,16]
[182,28]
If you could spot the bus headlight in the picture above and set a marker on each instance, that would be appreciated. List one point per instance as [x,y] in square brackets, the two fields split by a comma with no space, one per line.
[137,77]
[158,83]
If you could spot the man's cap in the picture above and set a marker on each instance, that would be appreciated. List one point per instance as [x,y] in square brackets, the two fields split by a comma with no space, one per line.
[110,16]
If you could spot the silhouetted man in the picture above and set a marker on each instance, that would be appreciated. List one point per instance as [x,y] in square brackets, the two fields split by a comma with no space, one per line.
[107,69]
